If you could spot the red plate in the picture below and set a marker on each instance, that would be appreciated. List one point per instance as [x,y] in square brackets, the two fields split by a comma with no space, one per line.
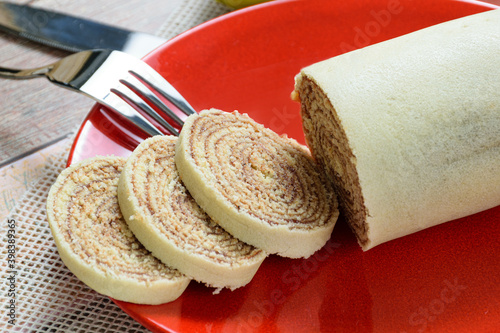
[443,279]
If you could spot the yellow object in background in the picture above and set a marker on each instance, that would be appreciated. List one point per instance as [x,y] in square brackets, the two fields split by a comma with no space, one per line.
[237,4]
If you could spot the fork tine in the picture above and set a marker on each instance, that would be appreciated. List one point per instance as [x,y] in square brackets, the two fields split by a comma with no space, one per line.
[162,86]
[136,85]
[116,103]
[130,96]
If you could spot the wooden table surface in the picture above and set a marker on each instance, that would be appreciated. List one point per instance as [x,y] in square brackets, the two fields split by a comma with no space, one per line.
[34,113]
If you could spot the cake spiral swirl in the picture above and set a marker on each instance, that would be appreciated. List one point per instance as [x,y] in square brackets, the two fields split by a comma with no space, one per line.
[95,242]
[167,220]
[263,188]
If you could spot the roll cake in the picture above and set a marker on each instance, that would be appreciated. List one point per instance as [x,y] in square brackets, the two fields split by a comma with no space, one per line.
[95,242]
[263,188]
[166,219]
[409,129]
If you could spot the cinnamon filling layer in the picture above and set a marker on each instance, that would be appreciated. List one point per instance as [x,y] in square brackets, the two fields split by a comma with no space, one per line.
[329,145]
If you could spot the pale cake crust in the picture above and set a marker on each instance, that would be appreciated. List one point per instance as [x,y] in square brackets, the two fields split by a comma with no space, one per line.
[167,220]
[409,129]
[263,188]
[94,241]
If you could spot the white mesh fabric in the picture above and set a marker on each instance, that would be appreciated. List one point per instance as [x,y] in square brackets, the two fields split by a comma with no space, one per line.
[49,298]
[190,13]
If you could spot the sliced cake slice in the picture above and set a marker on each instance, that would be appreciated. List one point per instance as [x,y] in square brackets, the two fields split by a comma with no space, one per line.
[95,242]
[263,188]
[167,220]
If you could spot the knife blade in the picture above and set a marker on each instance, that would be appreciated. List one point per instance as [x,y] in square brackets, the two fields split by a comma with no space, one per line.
[72,33]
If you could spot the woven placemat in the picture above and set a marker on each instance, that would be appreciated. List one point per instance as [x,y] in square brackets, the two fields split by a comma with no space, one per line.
[39,294]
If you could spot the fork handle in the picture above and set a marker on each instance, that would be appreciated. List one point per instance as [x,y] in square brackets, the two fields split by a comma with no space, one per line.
[13,73]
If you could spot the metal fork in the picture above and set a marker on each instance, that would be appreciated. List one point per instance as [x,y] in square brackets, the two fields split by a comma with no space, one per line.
[117,80]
